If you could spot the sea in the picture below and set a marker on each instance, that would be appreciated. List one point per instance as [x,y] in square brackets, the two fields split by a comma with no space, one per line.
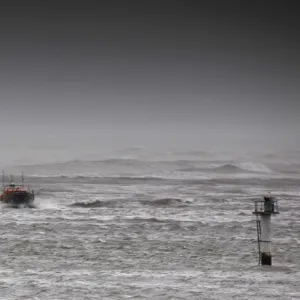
[140,225]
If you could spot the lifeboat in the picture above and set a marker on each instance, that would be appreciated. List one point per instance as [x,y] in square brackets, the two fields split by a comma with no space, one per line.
[17,194]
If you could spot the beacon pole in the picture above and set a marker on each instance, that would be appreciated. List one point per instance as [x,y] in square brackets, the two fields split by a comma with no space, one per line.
[264,209]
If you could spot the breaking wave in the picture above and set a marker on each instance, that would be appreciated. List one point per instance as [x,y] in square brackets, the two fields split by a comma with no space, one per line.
[164,202]
[256,168]
[120,202]
[150,220]
[228,168]
[96,203]
[232,168]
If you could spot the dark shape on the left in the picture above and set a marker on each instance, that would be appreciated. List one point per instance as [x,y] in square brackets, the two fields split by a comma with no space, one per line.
[17,195]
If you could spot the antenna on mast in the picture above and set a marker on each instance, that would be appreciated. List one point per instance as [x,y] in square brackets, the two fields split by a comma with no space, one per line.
[3,178]
[22,178]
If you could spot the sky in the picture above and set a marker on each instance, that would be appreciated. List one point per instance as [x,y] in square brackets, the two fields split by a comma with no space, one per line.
[129,73]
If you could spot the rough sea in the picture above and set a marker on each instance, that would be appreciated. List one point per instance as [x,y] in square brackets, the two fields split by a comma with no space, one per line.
[137,226]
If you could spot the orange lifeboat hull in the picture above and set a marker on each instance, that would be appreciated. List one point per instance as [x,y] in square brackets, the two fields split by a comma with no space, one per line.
[17,197]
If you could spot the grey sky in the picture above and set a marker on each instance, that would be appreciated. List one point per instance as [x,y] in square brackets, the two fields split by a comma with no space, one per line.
[131,71]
